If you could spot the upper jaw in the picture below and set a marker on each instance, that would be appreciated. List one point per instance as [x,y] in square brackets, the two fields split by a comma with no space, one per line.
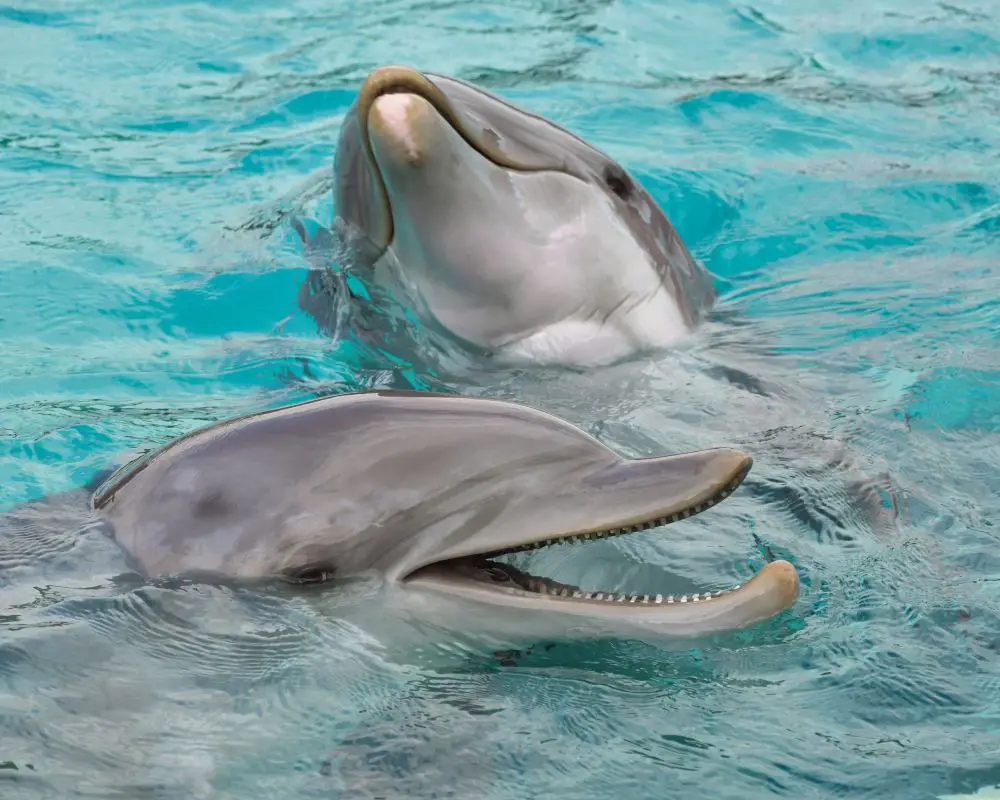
[717,474]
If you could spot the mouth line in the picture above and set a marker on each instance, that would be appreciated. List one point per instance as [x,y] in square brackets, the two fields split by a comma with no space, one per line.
[404,80]
[502,577]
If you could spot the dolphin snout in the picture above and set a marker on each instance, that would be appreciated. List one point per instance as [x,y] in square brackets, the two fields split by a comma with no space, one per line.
[400,128]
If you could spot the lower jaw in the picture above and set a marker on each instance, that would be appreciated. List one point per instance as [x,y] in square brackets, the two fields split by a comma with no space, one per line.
[661,620]
[528,585]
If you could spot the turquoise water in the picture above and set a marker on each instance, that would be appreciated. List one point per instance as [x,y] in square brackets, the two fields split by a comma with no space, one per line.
[838,171]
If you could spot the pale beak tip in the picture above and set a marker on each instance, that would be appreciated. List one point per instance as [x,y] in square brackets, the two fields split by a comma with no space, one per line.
[784,579]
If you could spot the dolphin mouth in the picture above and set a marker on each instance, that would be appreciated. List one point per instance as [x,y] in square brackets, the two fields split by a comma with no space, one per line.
[405,80]
[508,578]
[396,79]
[483,577]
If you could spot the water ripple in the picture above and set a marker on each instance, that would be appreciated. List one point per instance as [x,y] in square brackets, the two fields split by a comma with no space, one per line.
[835,168]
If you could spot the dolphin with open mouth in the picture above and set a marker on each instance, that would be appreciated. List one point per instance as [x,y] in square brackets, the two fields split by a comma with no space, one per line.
[429,492]
[504,229]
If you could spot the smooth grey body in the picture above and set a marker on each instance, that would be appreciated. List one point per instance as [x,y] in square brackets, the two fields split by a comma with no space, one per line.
[419,492]
[514,273]
[375,480]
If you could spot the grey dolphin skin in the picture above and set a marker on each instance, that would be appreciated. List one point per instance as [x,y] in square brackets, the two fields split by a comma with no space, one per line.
[506,230]
[429,492]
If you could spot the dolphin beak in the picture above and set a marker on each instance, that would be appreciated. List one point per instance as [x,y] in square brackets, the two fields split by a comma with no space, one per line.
[395,109]
[623,498]
[391,119]
[399,128]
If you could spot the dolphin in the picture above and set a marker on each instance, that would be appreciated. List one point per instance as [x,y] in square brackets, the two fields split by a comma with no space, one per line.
[428,492]
[513,235]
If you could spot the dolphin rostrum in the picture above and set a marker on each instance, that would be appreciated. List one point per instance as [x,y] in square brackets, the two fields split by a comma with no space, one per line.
[511,233]
[429,492]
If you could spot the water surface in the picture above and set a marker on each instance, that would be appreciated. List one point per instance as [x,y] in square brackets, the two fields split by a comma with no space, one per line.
[839,172]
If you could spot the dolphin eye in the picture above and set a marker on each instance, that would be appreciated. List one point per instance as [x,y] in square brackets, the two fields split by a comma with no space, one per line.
[315,574]
[618,182]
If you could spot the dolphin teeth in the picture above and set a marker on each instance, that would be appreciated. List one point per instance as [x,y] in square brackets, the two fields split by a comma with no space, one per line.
[634,528]
[659,598]
[684,598]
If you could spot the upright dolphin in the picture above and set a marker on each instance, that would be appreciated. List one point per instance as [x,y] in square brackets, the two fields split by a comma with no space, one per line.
[428,492]
[508,231]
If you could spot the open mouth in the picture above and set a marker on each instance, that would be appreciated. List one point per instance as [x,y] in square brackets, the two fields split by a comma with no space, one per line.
[486,571]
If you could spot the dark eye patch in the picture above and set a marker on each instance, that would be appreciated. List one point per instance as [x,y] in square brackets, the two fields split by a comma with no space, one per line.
[618,181]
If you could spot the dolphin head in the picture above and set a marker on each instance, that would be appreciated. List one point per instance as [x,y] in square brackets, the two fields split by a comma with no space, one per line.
[429,491]
[511,232]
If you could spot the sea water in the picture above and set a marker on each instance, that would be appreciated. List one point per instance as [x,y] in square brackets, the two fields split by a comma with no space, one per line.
[836,167]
